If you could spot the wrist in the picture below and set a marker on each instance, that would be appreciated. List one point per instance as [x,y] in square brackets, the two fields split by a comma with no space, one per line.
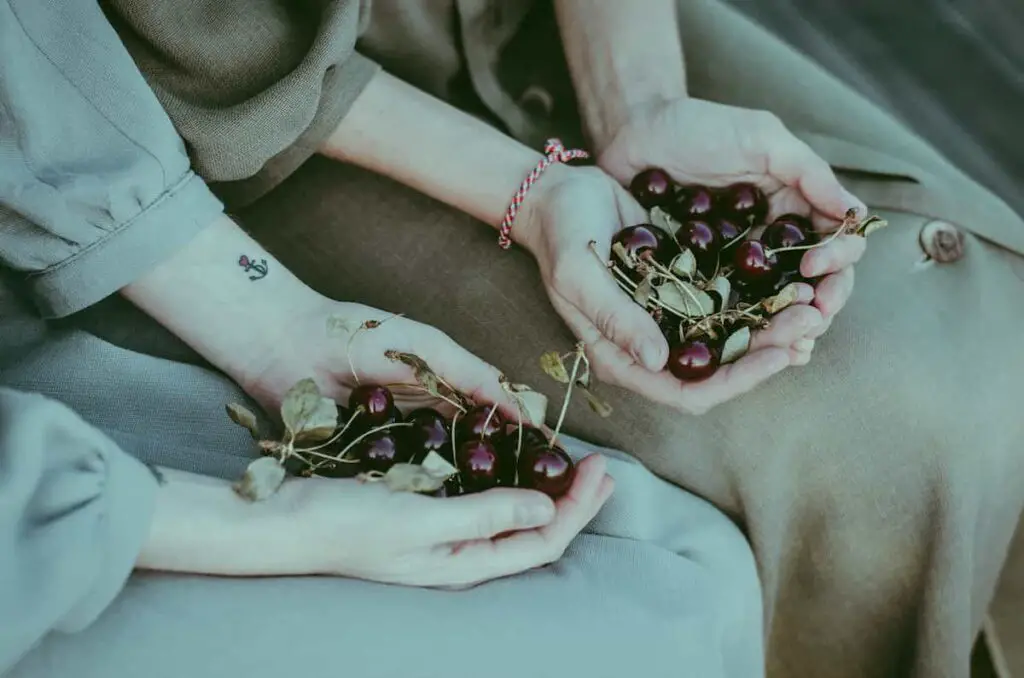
[202,526]
[225,296]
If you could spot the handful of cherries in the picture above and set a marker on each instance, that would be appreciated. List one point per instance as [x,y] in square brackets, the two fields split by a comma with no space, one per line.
[475,450]
[708,267]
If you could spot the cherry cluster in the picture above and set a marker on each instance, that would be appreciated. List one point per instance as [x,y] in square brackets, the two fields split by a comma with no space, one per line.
[485,448]
[708,267]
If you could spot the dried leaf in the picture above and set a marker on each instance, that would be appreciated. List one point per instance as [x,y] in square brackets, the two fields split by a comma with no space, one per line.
[436,465]
[684,264]
[664,220]
[723,287]
[870,225]
[643,291]
[261,479]
[339,325]
[786,297]
[534,405]
[425,376]
[736,346]
[413,478]
[244,418]
[307,415]
[553,366]
[685,299]
[603,409]
[619,251]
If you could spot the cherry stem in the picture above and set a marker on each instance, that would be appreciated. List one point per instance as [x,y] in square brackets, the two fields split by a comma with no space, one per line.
[369,433]
[424,389]
[568,393]
[455,452]
[337,435]
[741,236]
[487,421]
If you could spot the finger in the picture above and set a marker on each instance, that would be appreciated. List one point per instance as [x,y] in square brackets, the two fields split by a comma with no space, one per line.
[821,329]
[799,358]
[787,327]
[482,560]
[834,291]
[613,366]
[468,373]
[840,253]
[794,163]
[486,515]
[588,286]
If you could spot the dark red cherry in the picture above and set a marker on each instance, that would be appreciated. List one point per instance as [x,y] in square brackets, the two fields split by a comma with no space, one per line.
[481,466]
[651,187]
[546,469]
[648,238]
[729,229]
[480,423]
[789,230]
[701,238]
[428,433]
[693,360]
[746,202]
[376,401]
[692,202]
[755,269]
[381,450]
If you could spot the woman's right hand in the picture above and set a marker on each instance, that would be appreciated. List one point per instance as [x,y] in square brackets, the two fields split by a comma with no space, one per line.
[363,530]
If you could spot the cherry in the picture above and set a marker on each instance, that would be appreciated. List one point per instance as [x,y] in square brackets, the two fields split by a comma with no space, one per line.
[693,360]
[651,188]
[481,466]
[647,239]
[428,433]
[381,450]
[746,202]
[756,270]
[789,230]
[729,228]
[692,202]
[480,424]
[546,469]
[376,401]
[703,240]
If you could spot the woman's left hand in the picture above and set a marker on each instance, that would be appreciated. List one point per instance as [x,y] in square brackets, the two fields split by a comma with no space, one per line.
[570,208]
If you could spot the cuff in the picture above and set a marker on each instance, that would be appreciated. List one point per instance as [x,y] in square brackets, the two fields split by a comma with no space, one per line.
[130,501]
[127,252]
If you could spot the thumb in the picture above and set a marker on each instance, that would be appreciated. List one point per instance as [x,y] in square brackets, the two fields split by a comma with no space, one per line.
[490,513]
[616,316]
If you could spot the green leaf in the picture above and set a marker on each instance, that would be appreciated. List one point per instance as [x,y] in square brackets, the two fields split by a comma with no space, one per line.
[664,220]
[736,345]
[261,479]
[553,366]
[307,415]
[244,418]
[413,478]
[684,264]
[685,299]
[643,291]
[723,287]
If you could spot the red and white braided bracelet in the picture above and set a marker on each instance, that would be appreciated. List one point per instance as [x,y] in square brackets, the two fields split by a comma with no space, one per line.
[554,152]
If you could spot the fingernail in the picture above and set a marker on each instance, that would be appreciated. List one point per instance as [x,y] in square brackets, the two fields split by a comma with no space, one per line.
[651,355]
[535,513]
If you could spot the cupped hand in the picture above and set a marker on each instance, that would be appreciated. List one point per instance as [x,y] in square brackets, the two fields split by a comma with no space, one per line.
[702,142]
[363,530]
[577,206]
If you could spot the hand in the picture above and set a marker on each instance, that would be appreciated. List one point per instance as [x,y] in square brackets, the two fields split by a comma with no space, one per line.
[577,205]
[716,145]
[354,352]
[358,530]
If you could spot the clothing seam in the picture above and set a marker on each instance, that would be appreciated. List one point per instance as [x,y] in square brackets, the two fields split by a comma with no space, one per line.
[92,104]
[125,225]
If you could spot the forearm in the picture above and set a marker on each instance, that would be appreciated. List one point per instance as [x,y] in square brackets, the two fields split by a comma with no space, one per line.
[401,132]
[620,59]
[200,525]
[231,314]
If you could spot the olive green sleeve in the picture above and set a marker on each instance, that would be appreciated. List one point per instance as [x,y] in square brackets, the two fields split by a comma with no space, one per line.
[74,514]
[95,183]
